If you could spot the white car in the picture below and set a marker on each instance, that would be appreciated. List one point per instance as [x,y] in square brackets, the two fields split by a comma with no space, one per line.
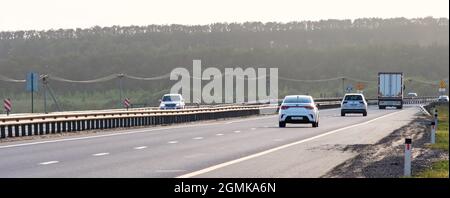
[298,109]
[354,103]
[443,98]
[172,101]
[412,95]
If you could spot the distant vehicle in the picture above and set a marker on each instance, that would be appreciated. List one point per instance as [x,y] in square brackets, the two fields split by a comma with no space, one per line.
[298,109]
[172,101]
[354,103]
[390,90]
[412,94]
[443,98]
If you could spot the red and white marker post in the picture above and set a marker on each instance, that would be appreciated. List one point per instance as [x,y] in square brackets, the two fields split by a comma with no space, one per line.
[408,157]
[127,103]
[7,104]
[433,132]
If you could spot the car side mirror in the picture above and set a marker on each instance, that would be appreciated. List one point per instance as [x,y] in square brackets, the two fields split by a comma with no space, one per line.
[317,105]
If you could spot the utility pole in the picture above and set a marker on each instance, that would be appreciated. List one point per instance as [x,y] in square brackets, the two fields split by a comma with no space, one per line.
[120,76]
[47,88]
[343,86]
[44,82]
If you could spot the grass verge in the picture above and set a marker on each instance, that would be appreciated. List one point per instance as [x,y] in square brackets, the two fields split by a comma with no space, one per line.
[439,169]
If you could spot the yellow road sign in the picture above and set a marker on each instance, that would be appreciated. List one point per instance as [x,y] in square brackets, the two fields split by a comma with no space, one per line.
[359,86]
[442,84]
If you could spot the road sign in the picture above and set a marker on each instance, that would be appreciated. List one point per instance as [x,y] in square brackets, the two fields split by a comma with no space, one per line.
[442,84]
[32,82]
[126,103]
[32,86]
[7,105]
[349,88]
[359,86]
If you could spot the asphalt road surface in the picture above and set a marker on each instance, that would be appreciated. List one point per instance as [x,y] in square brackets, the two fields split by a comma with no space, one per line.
[243,147]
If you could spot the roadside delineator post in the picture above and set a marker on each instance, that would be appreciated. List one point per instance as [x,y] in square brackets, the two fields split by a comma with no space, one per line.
[408,157]
[436,117]
[7,105]
[433,132]
[126,103]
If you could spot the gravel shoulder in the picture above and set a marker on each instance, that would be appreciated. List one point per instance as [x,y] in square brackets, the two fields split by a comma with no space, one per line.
[384,159]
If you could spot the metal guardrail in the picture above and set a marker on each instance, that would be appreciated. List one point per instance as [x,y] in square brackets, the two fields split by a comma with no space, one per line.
[42,124]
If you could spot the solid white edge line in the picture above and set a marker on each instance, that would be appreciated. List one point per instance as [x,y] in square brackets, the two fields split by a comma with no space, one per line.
[218,166]
[126,133]
[136,131]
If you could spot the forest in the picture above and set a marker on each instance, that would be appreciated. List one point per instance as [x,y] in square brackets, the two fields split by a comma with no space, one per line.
[310,56]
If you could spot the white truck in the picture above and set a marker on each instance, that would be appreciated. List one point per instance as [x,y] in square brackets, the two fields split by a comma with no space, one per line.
[390,90]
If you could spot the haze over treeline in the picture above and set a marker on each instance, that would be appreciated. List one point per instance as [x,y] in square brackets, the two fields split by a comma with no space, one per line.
[301,50]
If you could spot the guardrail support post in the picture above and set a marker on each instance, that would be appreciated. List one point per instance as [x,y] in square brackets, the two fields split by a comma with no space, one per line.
[10,132]
[41,128]
[53,125]
[23,130]
[47,128]
[16,131]
[408,157]
[2,132]
[58,127]
[29,129]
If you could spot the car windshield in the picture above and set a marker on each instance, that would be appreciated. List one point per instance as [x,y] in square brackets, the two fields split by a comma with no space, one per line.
[353,97]
[297,100]
[170,98]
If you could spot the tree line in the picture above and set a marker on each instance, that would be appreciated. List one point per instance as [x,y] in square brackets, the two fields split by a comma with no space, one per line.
[301,50]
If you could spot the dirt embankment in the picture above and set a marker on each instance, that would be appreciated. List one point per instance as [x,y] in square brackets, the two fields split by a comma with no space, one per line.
[386,157]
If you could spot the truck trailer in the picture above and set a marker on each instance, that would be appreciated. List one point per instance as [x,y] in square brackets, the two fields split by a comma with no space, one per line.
[390,90]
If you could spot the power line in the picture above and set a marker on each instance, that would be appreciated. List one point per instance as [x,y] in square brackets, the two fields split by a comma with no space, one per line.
[145,79]
[7,79]
[114,76]
[102,79]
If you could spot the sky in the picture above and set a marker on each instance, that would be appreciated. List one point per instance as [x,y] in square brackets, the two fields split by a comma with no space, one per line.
[54,14]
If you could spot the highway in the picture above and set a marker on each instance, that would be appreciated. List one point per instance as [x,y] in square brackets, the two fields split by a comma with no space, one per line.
[242,147]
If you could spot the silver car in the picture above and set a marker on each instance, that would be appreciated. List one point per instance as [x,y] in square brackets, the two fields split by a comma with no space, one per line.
[443,98]
[354,103]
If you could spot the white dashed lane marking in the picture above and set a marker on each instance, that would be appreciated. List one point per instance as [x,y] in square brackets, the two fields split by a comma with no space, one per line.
[140,147]
[172,142]
[237,131]
[197,138]
[49,162]
[100,154]
[219,134]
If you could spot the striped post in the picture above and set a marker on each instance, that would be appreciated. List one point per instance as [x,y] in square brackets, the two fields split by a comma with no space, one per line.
[127,103]
[7,105]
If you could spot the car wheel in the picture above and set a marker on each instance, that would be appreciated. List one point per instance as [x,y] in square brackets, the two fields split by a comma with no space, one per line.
[315,124]
[342,114]
[381,107]
[365,114]
[282,124]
